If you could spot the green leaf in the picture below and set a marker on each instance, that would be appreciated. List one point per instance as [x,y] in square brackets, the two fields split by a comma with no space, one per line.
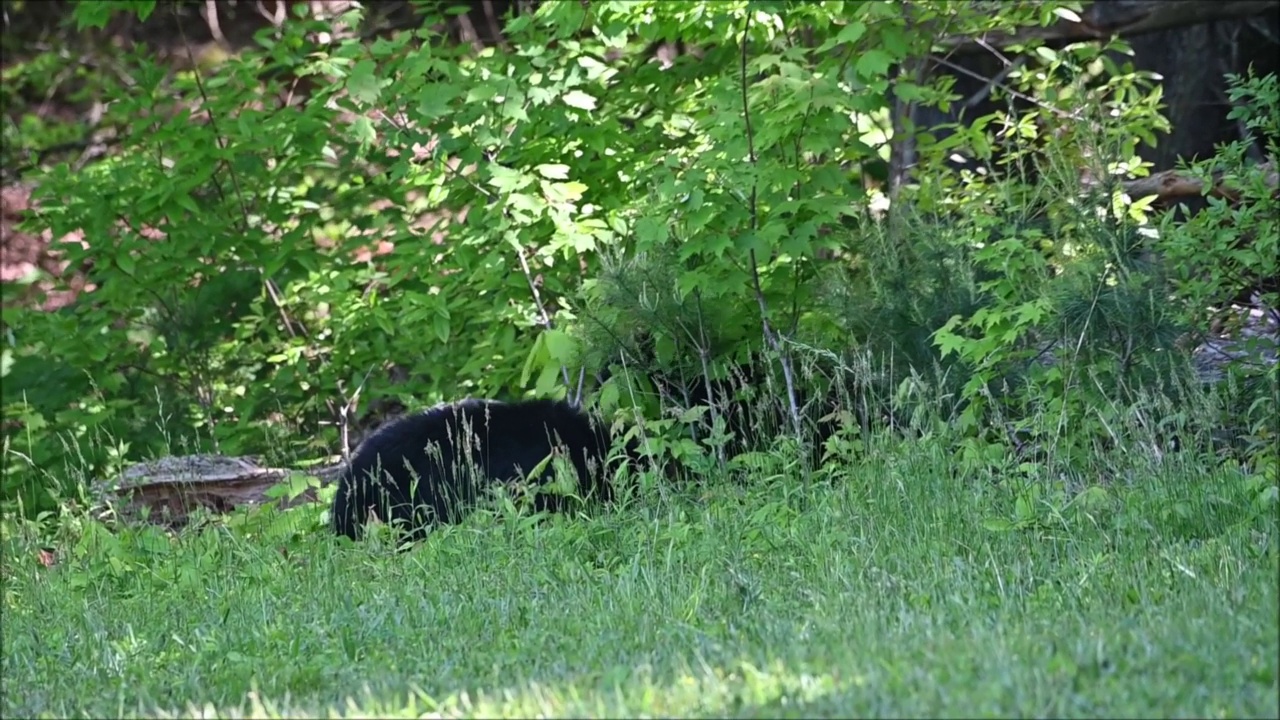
[435,100]
[693,414]
[362,84]
[553,171]
[893,39]
[508,180]
[363,132]
[548,380]
[186,202]
[481,93]
[1047,53]
[540,96]
[1023,509]
[852,32]
[998,525]
[565,192]
[772,7]
[96,14]
[580,100]
[537,357]
[873,64]
[143,8]
[610,395]
[1067,14]
[651,231]
[561,347]
[525,207]
[946,338]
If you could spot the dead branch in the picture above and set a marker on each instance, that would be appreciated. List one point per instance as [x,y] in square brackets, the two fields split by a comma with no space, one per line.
[1124,18]
[1171,185]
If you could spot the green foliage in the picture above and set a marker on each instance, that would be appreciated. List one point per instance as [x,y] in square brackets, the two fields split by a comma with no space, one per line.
[98,13]
[1233,244]
[36,70]
[735,238]
[430,221]
[1074,313]
[223,248]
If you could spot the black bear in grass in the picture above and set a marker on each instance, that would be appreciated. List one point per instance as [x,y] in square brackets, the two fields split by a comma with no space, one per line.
[430,467]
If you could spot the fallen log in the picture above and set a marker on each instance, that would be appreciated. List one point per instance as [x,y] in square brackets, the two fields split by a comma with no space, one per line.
[1172,185]
[167,490]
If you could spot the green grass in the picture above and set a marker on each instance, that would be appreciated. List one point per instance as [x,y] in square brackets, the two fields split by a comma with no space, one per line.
[898,590]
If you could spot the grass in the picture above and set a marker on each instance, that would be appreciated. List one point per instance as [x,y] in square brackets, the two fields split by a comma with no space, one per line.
[900,589]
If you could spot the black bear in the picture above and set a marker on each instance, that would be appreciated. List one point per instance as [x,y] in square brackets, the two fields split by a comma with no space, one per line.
[428,467]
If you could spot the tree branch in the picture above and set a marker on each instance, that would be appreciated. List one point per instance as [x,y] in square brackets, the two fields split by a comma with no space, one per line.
[1170,185]
[1125,18]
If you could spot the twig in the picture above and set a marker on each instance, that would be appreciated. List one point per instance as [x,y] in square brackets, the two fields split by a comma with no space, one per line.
[537,299]
[769,336]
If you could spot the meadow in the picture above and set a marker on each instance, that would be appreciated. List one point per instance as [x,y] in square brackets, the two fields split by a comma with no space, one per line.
[901,586]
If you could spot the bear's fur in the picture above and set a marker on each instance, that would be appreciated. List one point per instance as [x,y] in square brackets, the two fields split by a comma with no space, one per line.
[429,467]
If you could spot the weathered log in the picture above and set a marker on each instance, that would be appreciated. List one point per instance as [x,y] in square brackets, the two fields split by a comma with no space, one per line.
[1171,185]
[170,488]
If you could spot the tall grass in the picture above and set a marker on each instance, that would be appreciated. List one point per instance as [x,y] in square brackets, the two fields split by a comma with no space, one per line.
[905,584]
